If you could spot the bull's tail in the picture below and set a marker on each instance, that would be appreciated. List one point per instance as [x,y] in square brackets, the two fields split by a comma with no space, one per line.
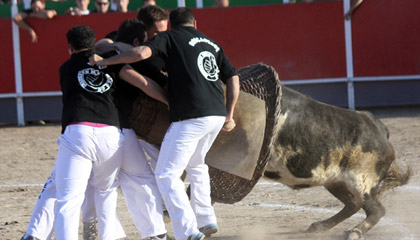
[394,177]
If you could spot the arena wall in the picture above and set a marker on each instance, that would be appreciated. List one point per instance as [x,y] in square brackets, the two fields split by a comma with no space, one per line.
[7,80]
[302,41]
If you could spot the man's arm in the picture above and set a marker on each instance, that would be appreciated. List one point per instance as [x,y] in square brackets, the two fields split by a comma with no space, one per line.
[130,56]
[232,94]
[106,45]
[44,14]
[147,85]
[19,20]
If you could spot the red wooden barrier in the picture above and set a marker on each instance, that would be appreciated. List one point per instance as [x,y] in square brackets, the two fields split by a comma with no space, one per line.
[386,38]
[7,73]
[41,61]
[301,41]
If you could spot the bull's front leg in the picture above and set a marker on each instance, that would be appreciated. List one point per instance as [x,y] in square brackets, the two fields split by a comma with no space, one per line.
[329,223]
[352,204]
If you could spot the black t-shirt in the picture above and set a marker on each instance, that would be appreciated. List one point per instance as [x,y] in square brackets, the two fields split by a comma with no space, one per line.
[126,94]
[28,11]
[87,91]
[195,66]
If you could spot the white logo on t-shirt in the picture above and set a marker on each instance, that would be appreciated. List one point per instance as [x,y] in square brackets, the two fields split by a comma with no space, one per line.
[208,67]
[196,40]
[94,80]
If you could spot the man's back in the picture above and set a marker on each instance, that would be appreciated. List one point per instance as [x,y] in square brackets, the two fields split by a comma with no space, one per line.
[87,91]
[195,64]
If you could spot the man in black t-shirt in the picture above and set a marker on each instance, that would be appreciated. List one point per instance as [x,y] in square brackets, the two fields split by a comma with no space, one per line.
[131,34]
[195,65]
[89,148]
[155,19]
[91,140]
[135,169]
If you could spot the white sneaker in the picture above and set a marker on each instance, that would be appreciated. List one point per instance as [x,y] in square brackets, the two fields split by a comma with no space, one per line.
[198,236]
[209,229]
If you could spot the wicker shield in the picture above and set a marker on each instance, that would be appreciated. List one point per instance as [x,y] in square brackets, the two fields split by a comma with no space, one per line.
[150,120]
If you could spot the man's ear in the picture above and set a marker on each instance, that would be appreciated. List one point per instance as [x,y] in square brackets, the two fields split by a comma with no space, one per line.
[70,49]
[195,24]
[136,42]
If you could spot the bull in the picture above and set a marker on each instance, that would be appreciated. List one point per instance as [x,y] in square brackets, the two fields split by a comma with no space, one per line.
[348,152]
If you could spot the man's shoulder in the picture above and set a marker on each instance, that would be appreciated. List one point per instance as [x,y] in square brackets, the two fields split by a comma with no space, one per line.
[109,54]
[65,67]
[76,60]
[67,62]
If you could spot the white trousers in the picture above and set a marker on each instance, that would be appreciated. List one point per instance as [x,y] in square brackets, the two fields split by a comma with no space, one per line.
[41,224]
[84,150]
[184,147]
[139,187]
[151,150]
[42,220]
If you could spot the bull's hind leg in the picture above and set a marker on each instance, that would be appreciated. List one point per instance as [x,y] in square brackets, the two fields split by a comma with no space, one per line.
[374,212]
[352,204]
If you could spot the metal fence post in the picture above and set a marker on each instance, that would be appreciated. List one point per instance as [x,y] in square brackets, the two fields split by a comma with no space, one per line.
[349,57]
[181,3]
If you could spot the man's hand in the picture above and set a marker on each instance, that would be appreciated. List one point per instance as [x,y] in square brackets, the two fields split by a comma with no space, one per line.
[229,125]
[34,37]
[95,59]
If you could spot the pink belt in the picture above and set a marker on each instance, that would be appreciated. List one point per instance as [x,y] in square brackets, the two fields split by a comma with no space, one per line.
[91,124]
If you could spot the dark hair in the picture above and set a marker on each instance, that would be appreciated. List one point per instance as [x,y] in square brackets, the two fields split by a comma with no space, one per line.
[181,15]
[81,37]
[112,35]
[150,14]
[129,30]
[34,1]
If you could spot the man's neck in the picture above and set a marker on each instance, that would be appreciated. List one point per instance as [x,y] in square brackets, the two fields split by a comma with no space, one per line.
[80,50]
[185,25]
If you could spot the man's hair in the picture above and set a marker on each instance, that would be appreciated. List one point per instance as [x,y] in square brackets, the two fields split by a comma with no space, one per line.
[180,16]
[34,1]
[129,30]
[150,14]
[81,37]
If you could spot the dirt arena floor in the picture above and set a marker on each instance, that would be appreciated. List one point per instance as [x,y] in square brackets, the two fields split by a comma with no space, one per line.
[270,211]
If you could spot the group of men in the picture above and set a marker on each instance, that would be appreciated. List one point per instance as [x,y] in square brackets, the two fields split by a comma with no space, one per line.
[98,149]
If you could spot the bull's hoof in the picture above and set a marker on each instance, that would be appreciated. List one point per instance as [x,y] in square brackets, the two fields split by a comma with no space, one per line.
[353,234]
[316,227]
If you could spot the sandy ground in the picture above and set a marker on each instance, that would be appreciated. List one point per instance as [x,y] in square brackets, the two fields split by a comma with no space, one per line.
[27,156]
